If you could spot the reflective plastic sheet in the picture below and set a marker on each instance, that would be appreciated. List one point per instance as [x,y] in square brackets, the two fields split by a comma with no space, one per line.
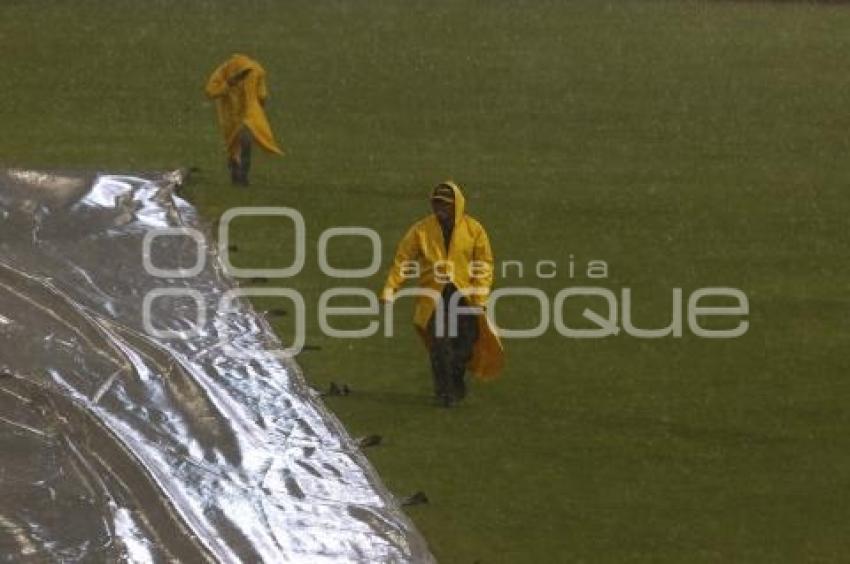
[119,446]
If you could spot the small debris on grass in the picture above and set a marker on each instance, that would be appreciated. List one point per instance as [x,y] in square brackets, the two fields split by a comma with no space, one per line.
[232,248]
[311,348]
[419,498]
[277,312]
[336,390]
[258,280]
[369,441]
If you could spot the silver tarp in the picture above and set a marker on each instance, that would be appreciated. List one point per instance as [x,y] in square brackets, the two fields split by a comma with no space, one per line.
[119,446]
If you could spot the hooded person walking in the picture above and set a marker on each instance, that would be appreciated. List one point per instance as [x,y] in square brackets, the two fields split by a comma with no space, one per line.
[449,251]
[238,87]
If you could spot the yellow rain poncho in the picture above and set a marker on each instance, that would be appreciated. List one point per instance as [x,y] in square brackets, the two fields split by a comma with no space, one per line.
[241,103]
[423,243]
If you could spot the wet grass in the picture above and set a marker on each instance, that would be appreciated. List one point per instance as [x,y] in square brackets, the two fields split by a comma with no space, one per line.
[687,145]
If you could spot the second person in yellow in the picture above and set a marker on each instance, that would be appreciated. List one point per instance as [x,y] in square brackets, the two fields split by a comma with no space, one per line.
[238,87]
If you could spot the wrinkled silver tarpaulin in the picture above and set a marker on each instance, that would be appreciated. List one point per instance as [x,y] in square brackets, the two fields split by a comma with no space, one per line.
[118,446]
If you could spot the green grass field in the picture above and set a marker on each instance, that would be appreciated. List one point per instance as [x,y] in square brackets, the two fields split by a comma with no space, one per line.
[686,144]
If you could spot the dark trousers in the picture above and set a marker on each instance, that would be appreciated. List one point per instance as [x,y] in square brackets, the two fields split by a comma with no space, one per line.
[240,168]
[450,354]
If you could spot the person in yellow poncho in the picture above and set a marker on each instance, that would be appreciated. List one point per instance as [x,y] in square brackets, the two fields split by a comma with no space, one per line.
[451,252]
[238,87]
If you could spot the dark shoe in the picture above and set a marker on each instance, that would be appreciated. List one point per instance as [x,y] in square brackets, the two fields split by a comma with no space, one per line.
[460,388]
[444,400]
[233,167]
